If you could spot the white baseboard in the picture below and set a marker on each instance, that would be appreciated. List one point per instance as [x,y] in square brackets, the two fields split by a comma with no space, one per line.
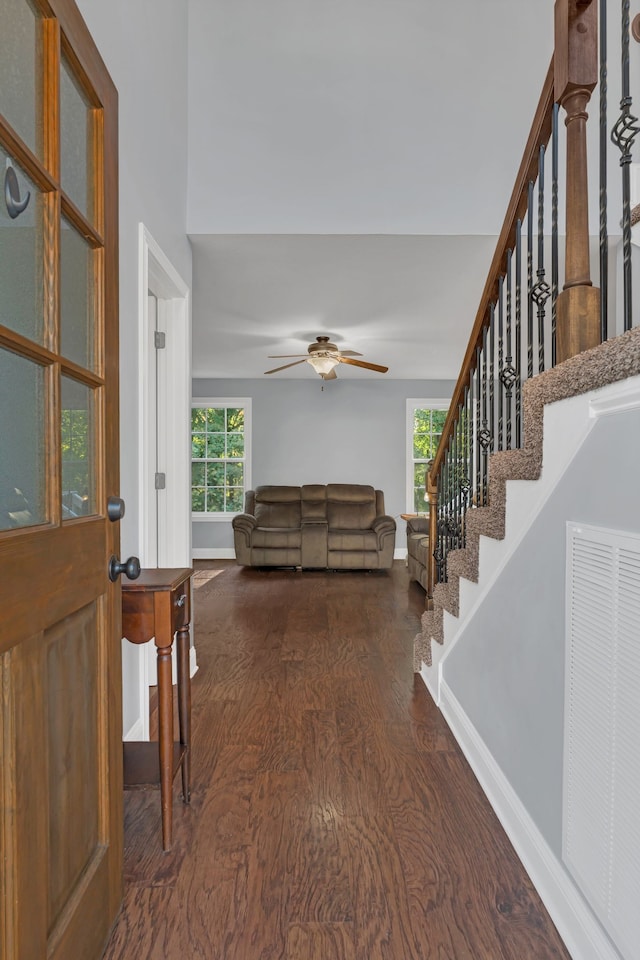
[583,936]
[136,732]
[400,553]
[193,662]
[213,553]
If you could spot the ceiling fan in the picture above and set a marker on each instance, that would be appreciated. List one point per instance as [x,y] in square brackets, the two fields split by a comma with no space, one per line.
[324,356]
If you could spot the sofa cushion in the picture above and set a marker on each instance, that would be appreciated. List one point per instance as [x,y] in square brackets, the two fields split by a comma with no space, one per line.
[277,506]
[352,540]
[280,538]
[418,547]
[314,501]
[350,506]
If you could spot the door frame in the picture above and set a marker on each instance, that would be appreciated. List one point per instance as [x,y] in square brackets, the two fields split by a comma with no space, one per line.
[157,274]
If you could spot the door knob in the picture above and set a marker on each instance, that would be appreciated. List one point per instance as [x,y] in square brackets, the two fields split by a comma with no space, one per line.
[130,568]
[115,509]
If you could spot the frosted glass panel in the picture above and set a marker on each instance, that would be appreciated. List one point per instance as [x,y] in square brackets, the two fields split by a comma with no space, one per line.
[75,143]
[78,450]
[20,82]
[22,448]
[77,299]
[21,253]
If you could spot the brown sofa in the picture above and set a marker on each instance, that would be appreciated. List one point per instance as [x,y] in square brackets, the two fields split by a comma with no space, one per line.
[339,526]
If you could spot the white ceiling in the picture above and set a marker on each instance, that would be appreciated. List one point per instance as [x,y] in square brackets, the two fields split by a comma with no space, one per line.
[350,163]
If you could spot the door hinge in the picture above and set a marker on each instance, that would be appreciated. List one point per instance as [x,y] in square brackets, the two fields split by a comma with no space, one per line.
[161,481]
[159,340]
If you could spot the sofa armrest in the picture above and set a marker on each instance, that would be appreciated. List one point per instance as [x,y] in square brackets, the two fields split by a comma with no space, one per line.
[384,527]
[244,523]
[418,525]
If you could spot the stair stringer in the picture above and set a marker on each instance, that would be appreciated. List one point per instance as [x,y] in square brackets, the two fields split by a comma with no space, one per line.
[518,487]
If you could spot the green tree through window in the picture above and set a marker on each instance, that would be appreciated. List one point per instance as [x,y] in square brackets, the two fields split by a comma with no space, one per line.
[219,458]
[425,425]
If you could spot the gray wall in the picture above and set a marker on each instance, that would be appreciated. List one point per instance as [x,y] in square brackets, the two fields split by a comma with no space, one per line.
[507,668]
[353,431]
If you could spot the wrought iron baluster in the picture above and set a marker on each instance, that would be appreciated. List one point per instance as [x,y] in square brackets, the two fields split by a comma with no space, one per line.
[623,135]
[518,335]
[604,142]
[541,290]
[466,465]
[455,487]
[530,282]
[492,354]
[474,433]
[500,356]
[554,228]
[507,371]
[438,553]
[484,436]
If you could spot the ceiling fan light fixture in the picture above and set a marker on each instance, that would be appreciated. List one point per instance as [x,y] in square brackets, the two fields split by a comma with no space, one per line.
[322,365]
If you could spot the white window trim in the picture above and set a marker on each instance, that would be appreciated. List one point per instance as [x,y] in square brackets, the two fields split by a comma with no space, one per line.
[414,404]
[228,402]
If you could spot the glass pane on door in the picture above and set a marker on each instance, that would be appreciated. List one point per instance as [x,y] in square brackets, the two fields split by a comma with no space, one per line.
[77,297]
[76,143]
[20,75]
[21,252]
[78,450]
[22,442]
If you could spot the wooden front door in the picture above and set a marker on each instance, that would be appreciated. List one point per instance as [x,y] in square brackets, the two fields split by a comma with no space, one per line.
[60,684]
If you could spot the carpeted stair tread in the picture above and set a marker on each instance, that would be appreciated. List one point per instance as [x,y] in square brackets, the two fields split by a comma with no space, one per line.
[610,362]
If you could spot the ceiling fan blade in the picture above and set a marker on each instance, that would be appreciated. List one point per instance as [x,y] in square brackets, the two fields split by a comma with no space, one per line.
[350,353]
[285,356]
[332,375]
[363,363]
[285,367]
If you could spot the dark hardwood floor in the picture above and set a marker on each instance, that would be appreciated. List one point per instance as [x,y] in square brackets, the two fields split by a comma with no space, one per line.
[333,816]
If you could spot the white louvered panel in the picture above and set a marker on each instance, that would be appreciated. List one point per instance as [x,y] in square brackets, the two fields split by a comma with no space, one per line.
[601,827]
[625,828]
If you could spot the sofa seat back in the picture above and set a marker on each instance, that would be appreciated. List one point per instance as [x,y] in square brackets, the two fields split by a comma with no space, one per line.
[277,506]
[350,506]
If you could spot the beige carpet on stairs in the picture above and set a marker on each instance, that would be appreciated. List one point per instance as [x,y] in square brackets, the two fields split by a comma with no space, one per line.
[608,363]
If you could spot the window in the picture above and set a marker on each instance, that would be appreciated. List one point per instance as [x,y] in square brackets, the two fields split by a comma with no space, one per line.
[425,420]
[220,457]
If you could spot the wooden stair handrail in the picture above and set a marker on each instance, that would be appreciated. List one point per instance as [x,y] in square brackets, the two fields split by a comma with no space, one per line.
[539,136]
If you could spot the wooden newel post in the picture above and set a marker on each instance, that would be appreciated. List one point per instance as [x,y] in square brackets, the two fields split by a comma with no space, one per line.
[575,76]
[432,494]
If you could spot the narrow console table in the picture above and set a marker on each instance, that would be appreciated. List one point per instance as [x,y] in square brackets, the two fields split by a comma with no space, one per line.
[158,605]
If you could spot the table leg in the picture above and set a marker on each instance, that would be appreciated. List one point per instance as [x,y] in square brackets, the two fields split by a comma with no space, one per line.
[184,709]
[165,717]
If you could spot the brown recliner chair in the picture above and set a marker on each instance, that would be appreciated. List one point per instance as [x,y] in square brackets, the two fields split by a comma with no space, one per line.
[332,526]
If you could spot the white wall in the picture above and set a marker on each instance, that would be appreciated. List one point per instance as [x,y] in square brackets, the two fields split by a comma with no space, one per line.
[353,431]
[507,667]
[144,46]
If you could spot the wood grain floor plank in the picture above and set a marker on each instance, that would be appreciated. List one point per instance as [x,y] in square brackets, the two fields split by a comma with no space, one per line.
[333,815]
[320,941]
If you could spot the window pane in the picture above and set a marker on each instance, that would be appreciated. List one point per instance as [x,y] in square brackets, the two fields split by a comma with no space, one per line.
[420,505]
[439,417]
[215,474]
[215,499]
[77,300]
[197,474]
[78,450]
[22,462]
[235,474]
[20,79]
[215,445]
[215,420]
[235,420]
[423,447]
[419,471]
[421,421]
[235,445]
[197,499]
[235,500]
[76,143]
[21,253]
[198,447]
[198,420]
